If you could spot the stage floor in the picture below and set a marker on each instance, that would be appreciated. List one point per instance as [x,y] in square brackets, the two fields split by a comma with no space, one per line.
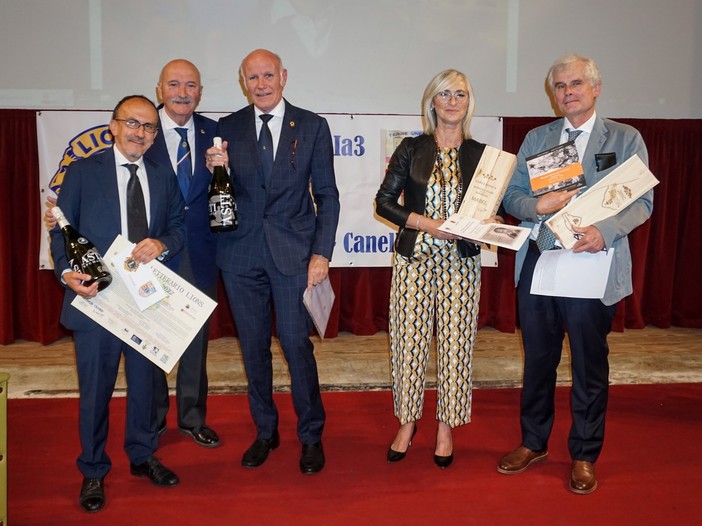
[350,362]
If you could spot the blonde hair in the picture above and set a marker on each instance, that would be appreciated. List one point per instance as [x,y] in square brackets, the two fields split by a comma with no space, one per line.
[439,83]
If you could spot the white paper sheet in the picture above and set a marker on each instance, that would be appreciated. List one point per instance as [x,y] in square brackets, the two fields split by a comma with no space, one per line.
[566,274]
[137,277]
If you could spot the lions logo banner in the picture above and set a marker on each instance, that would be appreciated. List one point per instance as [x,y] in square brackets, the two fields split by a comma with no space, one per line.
[362,146]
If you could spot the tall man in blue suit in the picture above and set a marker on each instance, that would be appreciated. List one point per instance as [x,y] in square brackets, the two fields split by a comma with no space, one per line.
[181,144]
[281,247]
[93,198]
[602,145]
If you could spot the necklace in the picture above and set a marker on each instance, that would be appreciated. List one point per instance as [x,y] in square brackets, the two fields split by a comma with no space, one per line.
[446,160]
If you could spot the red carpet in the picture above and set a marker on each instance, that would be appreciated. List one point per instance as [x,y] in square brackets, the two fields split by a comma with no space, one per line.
[650,471]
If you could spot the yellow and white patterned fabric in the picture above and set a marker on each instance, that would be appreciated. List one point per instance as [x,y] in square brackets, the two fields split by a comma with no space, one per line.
[435,287]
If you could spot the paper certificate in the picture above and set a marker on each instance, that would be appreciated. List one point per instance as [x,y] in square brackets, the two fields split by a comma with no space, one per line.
[138,278]
[606,198]
[506,236]
[557,168]
[161,332]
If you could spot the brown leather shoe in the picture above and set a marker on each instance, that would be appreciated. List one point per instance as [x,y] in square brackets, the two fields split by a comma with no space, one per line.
[582,477]
[518,460]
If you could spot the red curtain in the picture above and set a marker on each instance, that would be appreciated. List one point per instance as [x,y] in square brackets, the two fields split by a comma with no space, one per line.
[666,249]
[30,300]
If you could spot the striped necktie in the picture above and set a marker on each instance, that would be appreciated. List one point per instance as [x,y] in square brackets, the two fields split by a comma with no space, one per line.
[184,169]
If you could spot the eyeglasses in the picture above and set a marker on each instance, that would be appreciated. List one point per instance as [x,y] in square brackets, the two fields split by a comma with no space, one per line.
[135,125]
[458,96]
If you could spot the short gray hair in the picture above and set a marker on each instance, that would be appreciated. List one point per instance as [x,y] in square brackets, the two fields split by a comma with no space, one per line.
[592,72]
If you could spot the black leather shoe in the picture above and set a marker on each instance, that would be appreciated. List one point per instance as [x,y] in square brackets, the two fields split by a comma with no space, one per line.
[162,429]
[92,495]
[157,472]
[312,458]
[396,456]
[258,451]
[203,436]
[443,462]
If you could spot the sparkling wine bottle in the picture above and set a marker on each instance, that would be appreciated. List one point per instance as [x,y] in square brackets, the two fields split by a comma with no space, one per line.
[82,254]
[221,199]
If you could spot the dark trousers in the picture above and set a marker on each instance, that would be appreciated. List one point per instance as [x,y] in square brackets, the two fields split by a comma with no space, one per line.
[251,295]
[544,321]
[191,376]
[97,359]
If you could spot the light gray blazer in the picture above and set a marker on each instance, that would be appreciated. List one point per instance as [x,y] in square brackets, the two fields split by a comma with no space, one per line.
[607,137]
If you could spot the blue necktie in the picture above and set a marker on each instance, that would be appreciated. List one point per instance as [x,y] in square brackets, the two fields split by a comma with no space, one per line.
[265,145]
[184,167]
[546,240]
[137,225]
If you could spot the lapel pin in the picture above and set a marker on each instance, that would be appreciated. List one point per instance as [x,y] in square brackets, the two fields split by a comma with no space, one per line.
[292,124]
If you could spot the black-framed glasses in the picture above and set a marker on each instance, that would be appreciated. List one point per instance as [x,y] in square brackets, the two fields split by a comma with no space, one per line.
[135,125]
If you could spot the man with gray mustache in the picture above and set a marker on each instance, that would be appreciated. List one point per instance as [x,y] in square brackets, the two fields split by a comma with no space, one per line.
[183,139]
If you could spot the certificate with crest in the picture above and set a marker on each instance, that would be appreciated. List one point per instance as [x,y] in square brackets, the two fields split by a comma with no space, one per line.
[160,332]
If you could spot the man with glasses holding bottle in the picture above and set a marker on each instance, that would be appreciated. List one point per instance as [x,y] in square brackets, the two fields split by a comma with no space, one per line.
[98,197]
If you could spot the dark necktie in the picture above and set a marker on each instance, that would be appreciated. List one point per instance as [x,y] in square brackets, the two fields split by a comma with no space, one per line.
[137,225]
[184,167]
[265,145]
[546,240]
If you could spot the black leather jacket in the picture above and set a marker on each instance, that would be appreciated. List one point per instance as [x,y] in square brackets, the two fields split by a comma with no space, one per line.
[409,171]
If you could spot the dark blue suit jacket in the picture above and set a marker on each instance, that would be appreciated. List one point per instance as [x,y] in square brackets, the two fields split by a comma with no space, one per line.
[90,201]
[201,243]
[280,212]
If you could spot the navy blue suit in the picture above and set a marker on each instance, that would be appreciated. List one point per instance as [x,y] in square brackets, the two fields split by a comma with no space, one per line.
[196,263]
[90,201]
[264,262]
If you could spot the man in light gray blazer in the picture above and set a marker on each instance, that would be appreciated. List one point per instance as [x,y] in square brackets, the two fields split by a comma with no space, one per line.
[602,145]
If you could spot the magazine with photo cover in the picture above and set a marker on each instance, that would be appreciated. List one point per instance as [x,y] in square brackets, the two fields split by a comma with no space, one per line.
[557,168]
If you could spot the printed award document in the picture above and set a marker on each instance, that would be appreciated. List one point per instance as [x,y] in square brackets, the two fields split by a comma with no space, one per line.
[319,303]
[566,274]
[138,278]
[606,198]
[160,332]
[557,168]
[506,236]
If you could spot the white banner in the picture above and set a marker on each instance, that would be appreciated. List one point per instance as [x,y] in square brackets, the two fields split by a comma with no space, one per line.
[362,146]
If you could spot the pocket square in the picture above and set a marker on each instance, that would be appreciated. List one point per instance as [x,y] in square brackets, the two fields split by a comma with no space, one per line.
[605,160]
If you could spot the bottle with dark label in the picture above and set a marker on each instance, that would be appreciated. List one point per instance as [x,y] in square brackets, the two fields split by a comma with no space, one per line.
[82,254]
[221,199]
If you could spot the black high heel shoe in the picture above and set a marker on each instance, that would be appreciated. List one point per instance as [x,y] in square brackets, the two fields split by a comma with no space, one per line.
[443,462]
[396,456]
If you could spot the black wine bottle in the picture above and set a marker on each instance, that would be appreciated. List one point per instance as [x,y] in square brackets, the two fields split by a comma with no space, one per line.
[222,202]
[82,254]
